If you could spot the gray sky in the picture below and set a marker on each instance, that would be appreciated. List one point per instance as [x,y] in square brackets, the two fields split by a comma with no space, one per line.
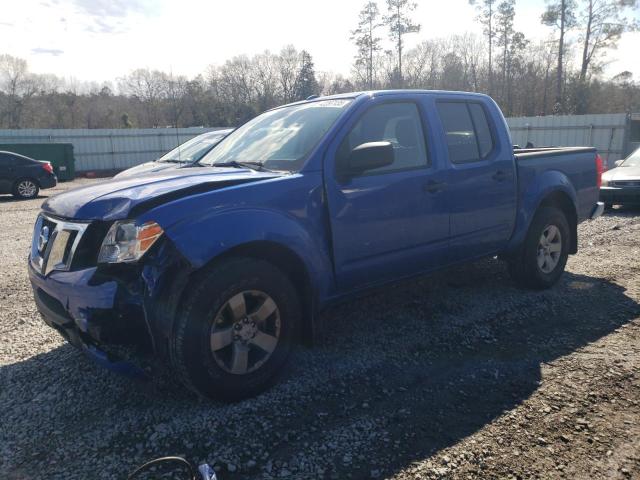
[104,39]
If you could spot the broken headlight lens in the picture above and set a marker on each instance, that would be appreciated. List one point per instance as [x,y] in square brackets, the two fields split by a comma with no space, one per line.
[127,242]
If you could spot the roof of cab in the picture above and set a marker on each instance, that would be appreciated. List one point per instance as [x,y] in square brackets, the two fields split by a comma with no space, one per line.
[380,93]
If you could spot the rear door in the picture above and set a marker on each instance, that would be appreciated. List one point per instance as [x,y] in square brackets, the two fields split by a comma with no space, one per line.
[481,180]
[391,221]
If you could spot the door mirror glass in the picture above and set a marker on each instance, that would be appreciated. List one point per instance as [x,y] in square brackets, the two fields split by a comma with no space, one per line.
[369,156]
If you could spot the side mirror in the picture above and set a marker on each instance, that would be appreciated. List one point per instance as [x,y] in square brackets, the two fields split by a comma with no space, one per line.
[369,156]
[617,163]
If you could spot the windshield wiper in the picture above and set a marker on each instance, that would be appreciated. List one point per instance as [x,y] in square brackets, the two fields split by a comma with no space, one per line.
[235,164]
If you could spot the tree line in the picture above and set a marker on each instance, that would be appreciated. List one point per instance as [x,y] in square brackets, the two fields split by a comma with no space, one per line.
[525,77]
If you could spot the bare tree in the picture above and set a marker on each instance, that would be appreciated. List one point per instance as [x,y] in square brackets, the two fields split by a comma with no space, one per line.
[174,91]
[147,86]
[288,63]
[400,24]
[603,23]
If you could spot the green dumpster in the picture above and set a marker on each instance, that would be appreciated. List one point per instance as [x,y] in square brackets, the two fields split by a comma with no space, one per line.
[59,154]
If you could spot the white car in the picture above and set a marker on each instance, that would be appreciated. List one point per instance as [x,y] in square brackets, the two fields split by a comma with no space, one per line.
[184,155]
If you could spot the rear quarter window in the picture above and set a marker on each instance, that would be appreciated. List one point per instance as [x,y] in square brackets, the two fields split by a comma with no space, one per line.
[483,132]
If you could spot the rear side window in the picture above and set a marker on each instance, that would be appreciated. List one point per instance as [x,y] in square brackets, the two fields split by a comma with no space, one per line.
[467,131]
[397,123]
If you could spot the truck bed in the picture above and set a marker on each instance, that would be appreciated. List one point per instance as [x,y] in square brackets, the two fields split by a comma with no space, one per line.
[576,167]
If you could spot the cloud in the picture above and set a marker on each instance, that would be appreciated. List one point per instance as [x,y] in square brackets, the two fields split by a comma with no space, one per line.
[56,52]
[110,16]
[113,8]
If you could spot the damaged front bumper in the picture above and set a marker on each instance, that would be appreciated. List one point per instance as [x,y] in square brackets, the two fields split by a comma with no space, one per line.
[90,313]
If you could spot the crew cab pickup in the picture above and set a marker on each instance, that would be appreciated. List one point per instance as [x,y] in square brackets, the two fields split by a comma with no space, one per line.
[218,270]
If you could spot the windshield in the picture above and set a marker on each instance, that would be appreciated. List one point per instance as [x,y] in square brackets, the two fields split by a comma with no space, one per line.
[279,139]
[632,160]
[192,150]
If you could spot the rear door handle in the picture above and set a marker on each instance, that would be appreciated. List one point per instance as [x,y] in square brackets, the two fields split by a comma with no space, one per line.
[433,187]
[499,176]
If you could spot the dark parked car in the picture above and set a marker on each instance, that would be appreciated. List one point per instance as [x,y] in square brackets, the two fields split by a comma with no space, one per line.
[183,156]
[621,185]
[23,176]
[219,270]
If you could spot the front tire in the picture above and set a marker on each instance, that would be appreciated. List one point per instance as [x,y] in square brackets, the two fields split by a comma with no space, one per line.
[25,188]
[236,329]
[543,256]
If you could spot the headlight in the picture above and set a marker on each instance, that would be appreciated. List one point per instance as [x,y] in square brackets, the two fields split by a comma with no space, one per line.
[604,183]
[127,242]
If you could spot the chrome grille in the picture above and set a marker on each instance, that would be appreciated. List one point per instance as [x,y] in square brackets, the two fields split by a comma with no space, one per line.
[54,243]
[626,183]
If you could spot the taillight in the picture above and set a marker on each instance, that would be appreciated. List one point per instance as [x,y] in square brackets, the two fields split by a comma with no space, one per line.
[47,166]
[599,170]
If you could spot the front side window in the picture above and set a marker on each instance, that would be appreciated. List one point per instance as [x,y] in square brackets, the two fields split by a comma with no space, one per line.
[279,139]
[397,123]
[467,131]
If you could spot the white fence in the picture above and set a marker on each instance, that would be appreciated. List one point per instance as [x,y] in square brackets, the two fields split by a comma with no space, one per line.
[108,149]
[608,132]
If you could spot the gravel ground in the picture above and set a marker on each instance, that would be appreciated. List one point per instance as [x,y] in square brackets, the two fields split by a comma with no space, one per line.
[459,375]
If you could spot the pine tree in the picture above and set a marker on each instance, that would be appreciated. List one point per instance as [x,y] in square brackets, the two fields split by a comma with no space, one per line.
[399,23]
[366,40]
[486,13]
[306,83]
[560,15]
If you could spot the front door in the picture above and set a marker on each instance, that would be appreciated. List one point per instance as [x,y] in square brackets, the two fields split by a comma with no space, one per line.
[392,221]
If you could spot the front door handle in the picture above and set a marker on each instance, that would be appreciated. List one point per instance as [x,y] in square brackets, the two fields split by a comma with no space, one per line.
[433,187]
[499,176]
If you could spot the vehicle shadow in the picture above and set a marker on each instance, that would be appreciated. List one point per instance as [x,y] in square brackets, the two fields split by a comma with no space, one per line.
[401,375]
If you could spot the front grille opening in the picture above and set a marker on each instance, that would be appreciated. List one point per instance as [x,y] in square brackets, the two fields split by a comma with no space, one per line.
[86,254]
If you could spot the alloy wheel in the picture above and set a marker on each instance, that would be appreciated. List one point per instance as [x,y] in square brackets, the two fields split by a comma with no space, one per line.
[245,332]
[26,188]
[549,248]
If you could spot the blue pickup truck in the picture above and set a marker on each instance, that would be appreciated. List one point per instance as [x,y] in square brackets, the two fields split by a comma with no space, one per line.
[217,271]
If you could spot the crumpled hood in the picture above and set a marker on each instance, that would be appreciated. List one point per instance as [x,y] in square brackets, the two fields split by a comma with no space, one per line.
[622,173]
[149,167]
[115,199]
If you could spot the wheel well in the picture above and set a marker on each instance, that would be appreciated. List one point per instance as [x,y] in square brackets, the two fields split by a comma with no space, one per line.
[563,202]
[292,266]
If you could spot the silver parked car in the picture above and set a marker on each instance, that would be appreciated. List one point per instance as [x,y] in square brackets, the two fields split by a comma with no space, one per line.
[184,155]
[621,185]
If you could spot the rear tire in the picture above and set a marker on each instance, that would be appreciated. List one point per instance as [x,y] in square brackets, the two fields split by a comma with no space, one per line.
[25,188]
[542,258]
[236,329]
